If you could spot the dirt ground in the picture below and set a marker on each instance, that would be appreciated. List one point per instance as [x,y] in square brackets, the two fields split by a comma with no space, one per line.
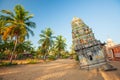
[63,69]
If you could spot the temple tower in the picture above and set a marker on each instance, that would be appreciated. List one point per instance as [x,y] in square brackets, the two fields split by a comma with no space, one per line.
[88,48]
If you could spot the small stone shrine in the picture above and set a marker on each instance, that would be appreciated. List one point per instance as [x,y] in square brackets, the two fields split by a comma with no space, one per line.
[89,50]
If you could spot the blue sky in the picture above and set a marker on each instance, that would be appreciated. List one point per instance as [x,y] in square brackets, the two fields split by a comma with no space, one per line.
[103,16]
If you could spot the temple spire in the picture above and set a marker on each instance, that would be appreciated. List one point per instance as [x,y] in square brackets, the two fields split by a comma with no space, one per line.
[87,47]
[77,21]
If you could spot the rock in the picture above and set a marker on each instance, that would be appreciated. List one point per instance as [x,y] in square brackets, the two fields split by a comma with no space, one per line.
[108,67]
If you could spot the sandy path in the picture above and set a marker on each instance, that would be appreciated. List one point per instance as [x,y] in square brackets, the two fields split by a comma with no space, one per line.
[57,70]
[112,75]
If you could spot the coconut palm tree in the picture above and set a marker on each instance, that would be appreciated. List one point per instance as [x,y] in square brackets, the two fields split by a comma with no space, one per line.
[72,52]
[46,41]
[2,44]
[2,26]
[60,45]
[18,25]
[25,47]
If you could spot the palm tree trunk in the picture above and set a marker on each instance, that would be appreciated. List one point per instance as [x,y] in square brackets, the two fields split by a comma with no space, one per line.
[11,58]
[44,57]
[59,55]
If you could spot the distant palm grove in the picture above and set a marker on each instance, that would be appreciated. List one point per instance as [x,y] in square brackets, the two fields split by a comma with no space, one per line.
[15,28]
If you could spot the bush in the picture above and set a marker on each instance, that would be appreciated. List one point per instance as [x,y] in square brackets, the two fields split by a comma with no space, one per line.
[51,57]
[20,56]
[65,56]
[77,58]
[2,55]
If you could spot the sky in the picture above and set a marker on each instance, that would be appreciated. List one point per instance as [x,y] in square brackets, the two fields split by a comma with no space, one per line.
[103,16]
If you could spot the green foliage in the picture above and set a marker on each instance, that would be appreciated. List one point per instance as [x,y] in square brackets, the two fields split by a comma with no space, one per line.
[76,58]
[17,26]
[52,57]
[7,64]
[46,41]
[65,56]
[6,45]
[73,54]
[60,45]
[1,55]
[17,22]
[20,56]
[24,47]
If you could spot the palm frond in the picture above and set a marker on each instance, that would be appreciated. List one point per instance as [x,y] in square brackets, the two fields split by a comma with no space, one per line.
[43,32]
[28,17]
[6,18]
[30,24]
[30,31]
[42,35]
[8,12]
[27,35]
[41,41]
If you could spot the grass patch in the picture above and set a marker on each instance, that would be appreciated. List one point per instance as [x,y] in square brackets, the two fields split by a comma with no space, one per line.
[7,64]
[32,61]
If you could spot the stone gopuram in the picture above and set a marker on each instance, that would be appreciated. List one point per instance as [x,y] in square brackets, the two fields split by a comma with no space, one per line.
[89,50]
